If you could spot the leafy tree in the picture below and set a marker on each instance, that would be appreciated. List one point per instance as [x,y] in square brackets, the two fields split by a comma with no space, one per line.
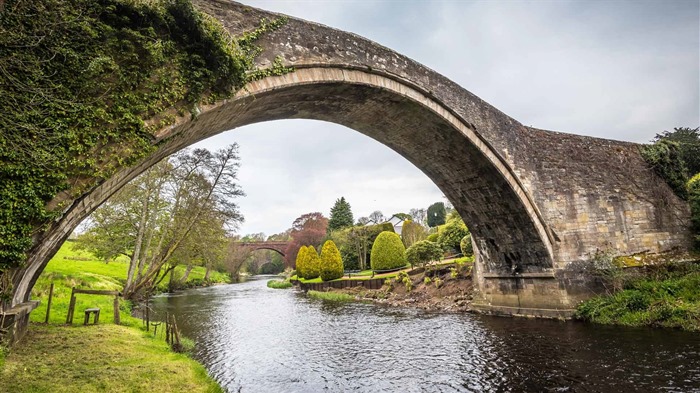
[465,245]
[388,252]
[665,157]
[341,215]
[694,199]
[331,262]
[423,252]
[436,214]
[451,235]
[412,232]
[377,217]
[403,216]
[688,141]
[162,219]
[307,229]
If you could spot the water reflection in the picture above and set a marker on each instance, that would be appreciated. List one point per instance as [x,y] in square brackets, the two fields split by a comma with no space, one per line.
[255,339]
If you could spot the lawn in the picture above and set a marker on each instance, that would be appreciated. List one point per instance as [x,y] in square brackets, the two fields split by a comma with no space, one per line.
[71,267]
[102,358]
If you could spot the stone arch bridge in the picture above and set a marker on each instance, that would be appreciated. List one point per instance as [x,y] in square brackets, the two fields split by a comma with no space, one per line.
[279,247]
[540,204]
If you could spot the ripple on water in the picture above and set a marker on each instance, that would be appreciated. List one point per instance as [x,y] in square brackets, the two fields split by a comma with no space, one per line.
[255,339]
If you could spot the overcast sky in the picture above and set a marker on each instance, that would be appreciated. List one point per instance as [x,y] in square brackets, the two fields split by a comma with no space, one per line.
[614,69]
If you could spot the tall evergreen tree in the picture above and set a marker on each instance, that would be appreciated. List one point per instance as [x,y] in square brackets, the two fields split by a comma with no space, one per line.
[341,215]
[436,214]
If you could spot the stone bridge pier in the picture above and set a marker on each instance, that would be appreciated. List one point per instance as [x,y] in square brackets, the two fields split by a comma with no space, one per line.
[540,204]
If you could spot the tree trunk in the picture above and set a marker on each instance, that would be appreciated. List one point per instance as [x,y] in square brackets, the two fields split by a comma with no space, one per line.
[188,269]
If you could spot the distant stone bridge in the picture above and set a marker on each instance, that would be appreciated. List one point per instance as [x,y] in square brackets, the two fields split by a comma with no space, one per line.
[280,247]
[539,204]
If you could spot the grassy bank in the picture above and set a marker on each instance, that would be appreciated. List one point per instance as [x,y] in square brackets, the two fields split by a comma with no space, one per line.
[661,296]
[71,268]
[278,284]
[103,358]
[334,296]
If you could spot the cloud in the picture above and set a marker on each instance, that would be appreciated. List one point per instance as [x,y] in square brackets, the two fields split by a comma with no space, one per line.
[622,70]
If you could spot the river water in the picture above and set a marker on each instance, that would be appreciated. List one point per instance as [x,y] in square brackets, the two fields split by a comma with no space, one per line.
[255,339]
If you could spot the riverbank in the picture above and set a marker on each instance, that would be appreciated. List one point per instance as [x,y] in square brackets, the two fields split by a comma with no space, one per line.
[447,287]
[666,295]
[101,358]
[55,357]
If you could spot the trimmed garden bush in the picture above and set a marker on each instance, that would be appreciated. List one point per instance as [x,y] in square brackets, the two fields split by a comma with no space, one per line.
[466,245]
[388,252]
[313,263]
[301,262]
[423,252]
[331,262]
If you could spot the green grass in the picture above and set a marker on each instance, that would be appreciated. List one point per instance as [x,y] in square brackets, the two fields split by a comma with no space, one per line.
[71,267]
[277,284]
[664,297]
[102,358]
[333,296]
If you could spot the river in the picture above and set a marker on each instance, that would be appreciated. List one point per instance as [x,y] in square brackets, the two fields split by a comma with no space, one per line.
[255,339]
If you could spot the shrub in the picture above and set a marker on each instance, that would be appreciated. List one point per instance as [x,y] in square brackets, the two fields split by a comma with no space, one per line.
[466,245]
[331,262]
[388,252]
[438,282]
[313,263]
[423,252]
[665,158]
[451,236]
[694,199]
[277,284]
[427,280]
[433,237]
[301,262]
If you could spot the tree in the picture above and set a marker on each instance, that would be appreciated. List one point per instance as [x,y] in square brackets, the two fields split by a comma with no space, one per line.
[341,215]
[688,141]
[665,158]
[453,232]
[419,216]
[307,229]
[235,258]
[363,220]
[403,216]
[331,262]
[423,252]
[436,214]
[377,217]
[465,245]
[694,200]
[412,232]
[388,252]
[156,218]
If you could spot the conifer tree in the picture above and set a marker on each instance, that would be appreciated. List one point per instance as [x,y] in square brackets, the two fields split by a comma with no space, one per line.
[341,215]
[313,263]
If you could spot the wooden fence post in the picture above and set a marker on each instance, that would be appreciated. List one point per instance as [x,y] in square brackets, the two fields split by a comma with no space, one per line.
[48,305]
[116,310]
[71,308]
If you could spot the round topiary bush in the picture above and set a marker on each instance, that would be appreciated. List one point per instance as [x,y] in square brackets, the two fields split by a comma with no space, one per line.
[423,252]
[331,262]
[433,237]
[466,245]
[388,252]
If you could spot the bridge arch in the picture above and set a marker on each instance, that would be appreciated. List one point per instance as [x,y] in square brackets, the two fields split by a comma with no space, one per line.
[523,192]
